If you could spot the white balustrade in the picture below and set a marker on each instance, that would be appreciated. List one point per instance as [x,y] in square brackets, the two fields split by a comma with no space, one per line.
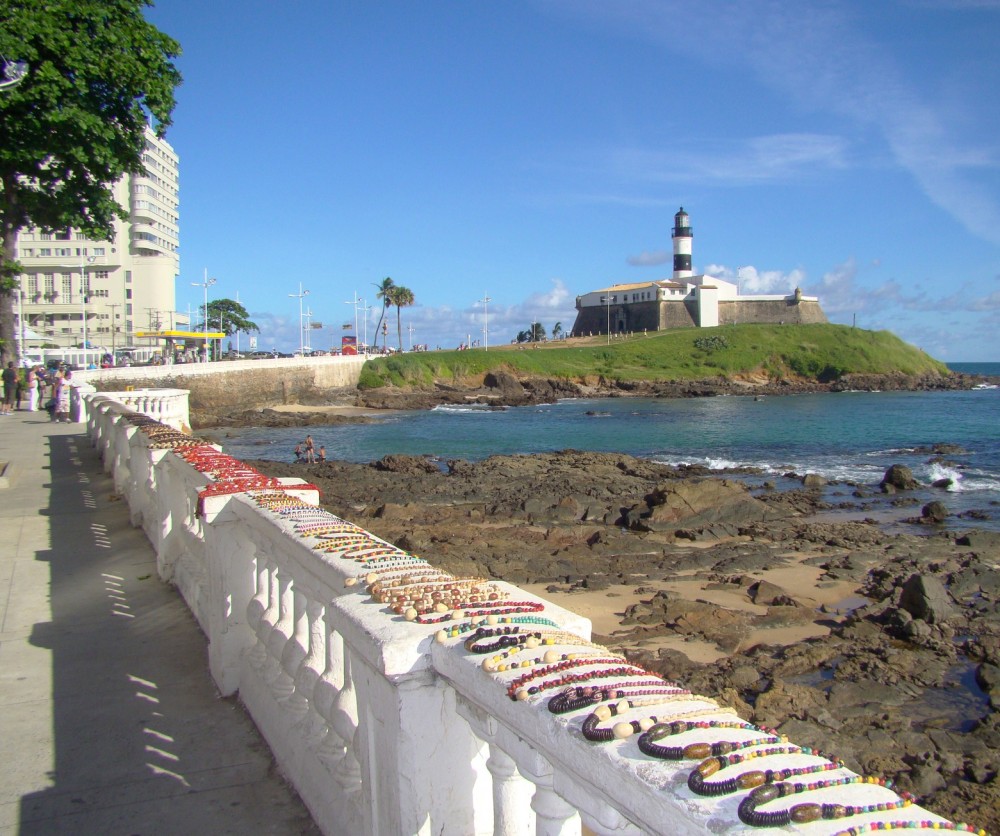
[381,728]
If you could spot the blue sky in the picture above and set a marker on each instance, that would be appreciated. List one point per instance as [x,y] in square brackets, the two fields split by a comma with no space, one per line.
[533,151]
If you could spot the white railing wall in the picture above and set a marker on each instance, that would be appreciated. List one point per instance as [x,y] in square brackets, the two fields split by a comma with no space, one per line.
[380,728]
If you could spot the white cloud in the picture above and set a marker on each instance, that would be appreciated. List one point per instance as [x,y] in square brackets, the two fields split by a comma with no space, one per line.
[817,55]
[778,157]
[649,259]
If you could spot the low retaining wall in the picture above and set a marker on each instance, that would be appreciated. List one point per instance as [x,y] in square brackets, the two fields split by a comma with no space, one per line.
[230,385]
[398,699]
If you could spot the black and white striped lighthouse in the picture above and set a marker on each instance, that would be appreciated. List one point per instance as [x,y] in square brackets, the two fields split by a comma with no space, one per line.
[682,245]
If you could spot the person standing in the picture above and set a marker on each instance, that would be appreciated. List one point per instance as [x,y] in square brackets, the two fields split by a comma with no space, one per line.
[62,396]
[9,388]
[310,450]
[32,384]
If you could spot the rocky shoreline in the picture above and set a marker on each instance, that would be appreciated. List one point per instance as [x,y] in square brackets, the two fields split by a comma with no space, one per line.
[790,600]
[503,389]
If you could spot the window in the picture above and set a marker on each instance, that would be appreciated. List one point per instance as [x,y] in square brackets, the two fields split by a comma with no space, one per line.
[67,285]
[44,252]
[97,251]
[33,284]
[98,274]
[128,312]
[50,283]
[64,235]
[65,252]
[128,295]
[45,236]
[128,277]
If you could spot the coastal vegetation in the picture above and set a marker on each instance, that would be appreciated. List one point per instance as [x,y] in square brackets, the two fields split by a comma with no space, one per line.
[764,353]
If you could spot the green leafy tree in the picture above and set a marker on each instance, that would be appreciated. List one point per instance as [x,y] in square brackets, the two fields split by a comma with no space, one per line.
[98,73]
[384,294]
[229,317]
[402,297]
[557,330]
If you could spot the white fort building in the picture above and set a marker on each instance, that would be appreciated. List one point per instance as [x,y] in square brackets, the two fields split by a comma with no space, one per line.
[686,300]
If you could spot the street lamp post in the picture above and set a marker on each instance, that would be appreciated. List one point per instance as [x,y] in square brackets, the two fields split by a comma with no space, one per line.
[607,299]
[114,328]
[411,329]
[206,284]
[367,309]
[84,261]
[486,324]
[354,302]
[300,296]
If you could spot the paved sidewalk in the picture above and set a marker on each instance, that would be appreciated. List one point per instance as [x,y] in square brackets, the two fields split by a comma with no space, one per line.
[109,720]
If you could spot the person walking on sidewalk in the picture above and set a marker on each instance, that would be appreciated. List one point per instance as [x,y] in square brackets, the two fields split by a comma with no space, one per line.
[9,389]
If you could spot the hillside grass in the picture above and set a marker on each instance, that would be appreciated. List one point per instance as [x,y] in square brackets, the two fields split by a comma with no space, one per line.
[772,352]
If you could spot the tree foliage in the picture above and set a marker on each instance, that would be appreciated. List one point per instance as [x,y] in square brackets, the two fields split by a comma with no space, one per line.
[232,316]
[535,334]
[98,73]
[401,297]
[384,295]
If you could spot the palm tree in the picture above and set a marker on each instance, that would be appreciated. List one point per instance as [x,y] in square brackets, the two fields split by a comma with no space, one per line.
[556,330]
[402,297]
[385,288]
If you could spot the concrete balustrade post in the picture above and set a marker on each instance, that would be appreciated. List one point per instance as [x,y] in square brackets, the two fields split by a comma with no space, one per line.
[295,651]
[345,722]
[512,813]
[553,815]
[331,746]
[257,607]
[231,557]
[312,667]
[280,682]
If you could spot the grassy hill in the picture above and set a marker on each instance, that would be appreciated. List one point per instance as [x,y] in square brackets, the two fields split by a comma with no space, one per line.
[752,352]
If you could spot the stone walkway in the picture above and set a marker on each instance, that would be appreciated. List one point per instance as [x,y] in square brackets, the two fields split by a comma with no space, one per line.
[109,720]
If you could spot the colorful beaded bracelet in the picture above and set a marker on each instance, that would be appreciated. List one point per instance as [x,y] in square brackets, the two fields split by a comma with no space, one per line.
[506,608]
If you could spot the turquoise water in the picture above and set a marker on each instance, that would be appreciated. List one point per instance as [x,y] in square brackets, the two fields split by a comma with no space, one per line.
[849,436]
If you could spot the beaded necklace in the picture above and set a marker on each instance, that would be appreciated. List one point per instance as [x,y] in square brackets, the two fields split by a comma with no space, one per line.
[753,778]
[571,678]
[511,638]
[455,631]
[506,608]
[810,811]
[648,744]
[495,664]
[916,824]
[573,699]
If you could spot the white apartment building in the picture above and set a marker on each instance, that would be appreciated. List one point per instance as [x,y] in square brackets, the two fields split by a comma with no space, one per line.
[75,290]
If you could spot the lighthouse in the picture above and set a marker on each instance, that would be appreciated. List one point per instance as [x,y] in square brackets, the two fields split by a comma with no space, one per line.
[682,245]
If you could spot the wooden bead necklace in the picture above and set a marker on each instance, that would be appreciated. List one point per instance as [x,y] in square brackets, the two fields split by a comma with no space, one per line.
[512,639]
[455,631]
[802,813]
[496,664]
[649,745]
[754,778]
[572,678]
[507,608]
[573,699]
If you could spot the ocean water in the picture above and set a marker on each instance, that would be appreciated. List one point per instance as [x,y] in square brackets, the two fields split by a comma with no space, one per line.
[847,437]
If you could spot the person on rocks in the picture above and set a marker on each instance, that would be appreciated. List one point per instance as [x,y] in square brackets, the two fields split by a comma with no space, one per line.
[298,452]
[322,454]
[310,450]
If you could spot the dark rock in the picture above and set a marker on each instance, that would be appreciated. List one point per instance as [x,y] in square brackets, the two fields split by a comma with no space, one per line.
[899,477]
[924,597]
[813,480]
[934,512]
